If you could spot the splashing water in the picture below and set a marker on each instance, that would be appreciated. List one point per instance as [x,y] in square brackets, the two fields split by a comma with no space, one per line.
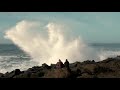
[47,46]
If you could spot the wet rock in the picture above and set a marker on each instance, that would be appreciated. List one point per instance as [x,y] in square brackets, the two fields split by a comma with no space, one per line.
[108,68]
[12,74]
[107,60]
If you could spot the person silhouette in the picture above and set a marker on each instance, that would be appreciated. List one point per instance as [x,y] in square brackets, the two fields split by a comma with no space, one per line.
[66,64]
[59,64]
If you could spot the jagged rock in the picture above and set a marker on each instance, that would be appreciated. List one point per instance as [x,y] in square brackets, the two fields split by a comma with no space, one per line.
[24,75]
[107,60]
[108,68]
[34,69]
[89,62]
[17,71]
[45,66]
[12,74]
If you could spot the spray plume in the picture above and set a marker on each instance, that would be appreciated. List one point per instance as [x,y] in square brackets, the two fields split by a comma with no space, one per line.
[50,46]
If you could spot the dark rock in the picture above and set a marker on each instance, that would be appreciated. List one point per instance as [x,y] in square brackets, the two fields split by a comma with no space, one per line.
[89,62]
[86,75]
[17,71]
[100,69]
[107,60]
[37,75]
[73,65]
[93,61]
[9,75]
[23,75]
[1,75]
[34,69]
[12,74]
[108,68]
[45,66]
[53,66]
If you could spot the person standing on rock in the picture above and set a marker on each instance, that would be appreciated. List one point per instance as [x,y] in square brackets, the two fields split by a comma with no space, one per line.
[59,64]
[66,64]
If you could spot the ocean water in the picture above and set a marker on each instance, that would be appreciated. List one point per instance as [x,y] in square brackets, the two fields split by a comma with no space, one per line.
[11,57]
[106,50]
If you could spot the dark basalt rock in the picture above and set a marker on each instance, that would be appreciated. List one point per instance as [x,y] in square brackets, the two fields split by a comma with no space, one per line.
[1,75]
[34,69]
[53,66]
[108,68]
[17,71]
[12,74]
[45,66]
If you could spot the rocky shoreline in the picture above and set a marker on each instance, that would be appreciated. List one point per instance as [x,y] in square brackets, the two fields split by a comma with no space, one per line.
[108,68]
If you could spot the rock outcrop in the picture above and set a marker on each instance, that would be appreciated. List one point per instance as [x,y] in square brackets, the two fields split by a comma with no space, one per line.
[109,68]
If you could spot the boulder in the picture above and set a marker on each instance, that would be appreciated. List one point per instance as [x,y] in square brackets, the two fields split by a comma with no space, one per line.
[12,74]
[17,71]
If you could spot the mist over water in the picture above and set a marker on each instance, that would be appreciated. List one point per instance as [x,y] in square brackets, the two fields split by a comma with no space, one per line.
[47,44]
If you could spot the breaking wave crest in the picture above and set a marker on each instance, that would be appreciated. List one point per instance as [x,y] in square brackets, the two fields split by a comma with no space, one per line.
[49,43]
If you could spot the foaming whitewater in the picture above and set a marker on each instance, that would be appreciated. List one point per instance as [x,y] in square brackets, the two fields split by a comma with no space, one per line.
[47,44]
[105,54]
